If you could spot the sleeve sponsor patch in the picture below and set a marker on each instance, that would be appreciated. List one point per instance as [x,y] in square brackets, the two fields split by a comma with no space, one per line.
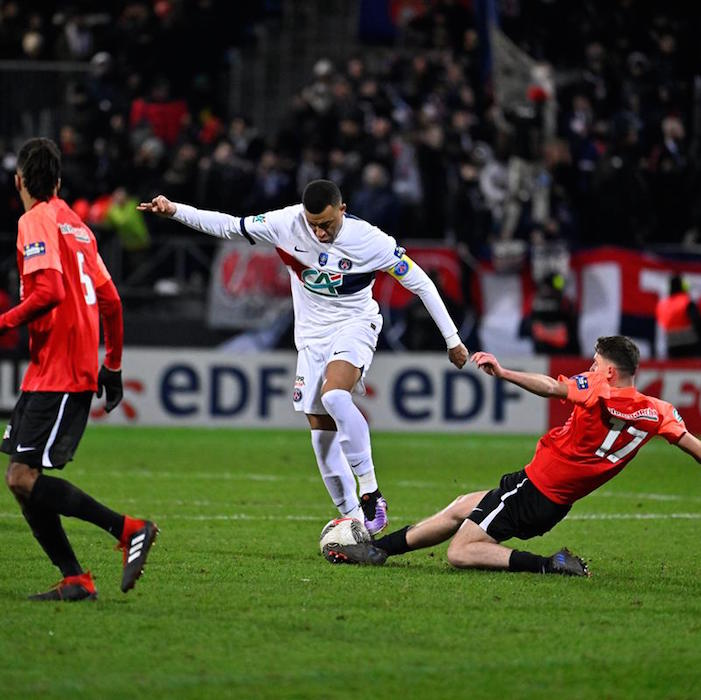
[399,251]
[582,381]
[677,416]
[31,250]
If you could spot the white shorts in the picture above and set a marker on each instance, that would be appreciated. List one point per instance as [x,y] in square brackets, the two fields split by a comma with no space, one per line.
[353,342]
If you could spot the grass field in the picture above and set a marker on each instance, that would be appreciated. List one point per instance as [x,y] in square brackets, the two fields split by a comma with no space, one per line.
[236,602]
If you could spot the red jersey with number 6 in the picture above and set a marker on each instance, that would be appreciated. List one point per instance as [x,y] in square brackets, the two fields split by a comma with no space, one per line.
[63,343]
[605,430]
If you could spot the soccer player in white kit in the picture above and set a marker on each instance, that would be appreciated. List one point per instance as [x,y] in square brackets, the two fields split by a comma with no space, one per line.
[332,258]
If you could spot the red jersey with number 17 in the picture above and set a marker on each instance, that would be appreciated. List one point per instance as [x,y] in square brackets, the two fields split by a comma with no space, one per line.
[607,427]
[63,343]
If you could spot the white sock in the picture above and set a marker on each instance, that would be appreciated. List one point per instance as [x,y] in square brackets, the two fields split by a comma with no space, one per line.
[354,436]
[335,471]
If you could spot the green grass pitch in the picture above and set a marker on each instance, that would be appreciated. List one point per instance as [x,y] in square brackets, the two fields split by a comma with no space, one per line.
[236,601]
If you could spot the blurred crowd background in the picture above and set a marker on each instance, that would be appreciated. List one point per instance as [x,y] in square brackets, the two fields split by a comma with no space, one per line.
[408,105]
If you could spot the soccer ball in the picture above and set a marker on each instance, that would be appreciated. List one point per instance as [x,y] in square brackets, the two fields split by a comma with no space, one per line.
[343,531]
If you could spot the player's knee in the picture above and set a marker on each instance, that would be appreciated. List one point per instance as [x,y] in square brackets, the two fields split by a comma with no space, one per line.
[19,479]
[334,399]
[460,556]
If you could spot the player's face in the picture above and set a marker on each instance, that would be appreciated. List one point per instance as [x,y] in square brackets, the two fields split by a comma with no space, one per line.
[601,365]
[327,223]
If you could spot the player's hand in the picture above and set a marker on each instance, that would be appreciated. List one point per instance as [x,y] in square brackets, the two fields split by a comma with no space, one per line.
[487,363]
[111,381]
[458,355]
[160,205]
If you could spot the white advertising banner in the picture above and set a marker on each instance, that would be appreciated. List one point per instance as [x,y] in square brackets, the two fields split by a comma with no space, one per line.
[405,392]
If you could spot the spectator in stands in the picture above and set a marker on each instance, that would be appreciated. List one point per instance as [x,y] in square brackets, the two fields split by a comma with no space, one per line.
[678,318]
[375,201]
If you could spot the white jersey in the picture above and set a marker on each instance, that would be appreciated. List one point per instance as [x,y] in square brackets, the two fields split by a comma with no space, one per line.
[331,282]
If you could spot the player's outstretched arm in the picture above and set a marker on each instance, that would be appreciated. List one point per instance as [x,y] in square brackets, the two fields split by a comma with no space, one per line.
[411,276]
[213,223]
[691,445]
[160,205]
[540,384]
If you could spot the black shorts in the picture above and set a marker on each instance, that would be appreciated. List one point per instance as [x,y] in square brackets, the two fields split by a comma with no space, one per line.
[517,509]
[45,427]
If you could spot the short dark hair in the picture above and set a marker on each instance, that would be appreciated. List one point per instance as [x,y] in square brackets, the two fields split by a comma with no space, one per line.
[40,162]
[318,194]
[619,350]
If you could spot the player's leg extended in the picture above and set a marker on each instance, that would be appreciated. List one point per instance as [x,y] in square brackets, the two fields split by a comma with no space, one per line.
[45,525]
[333,466]
[433,530]
[341,378]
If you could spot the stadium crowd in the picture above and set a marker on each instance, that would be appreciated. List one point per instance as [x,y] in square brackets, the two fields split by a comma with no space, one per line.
[410,131]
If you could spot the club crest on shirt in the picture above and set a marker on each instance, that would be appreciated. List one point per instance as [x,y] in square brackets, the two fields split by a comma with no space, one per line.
[582,381]
[31,250]
[345,264]
[323,259]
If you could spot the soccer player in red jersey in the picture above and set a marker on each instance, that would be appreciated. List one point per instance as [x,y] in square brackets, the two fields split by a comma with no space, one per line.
[65,291]
[610,421]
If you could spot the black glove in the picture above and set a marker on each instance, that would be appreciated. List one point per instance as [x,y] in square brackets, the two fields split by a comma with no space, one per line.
[111,380]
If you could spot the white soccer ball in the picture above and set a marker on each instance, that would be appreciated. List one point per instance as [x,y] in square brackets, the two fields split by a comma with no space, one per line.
[343,531]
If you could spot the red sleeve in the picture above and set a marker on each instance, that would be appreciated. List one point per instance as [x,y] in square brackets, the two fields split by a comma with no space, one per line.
[672,424]
[586,388]
[47,292]
[110,306]
[37,243]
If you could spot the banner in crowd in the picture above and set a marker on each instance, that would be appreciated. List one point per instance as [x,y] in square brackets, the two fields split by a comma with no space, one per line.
[249,287]
[409,392]
[617,291]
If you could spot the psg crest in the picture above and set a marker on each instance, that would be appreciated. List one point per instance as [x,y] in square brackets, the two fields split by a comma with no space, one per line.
[345,264]
[323,259]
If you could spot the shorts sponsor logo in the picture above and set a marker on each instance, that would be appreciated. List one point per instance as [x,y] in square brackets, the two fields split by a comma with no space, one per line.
[323,259]
[299,381]
[320,282]
[31,250]
[24,448]
[582,381]
[345,264]
[401,268]
[297,395]
[399,251]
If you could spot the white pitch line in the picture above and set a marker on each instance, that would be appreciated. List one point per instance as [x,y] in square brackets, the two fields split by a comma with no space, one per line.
[402,483]
[401,518]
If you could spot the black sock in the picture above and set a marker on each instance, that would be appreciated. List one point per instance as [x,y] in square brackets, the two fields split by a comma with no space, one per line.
[62,497]
[49,533]
[525,561]
[395,542]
